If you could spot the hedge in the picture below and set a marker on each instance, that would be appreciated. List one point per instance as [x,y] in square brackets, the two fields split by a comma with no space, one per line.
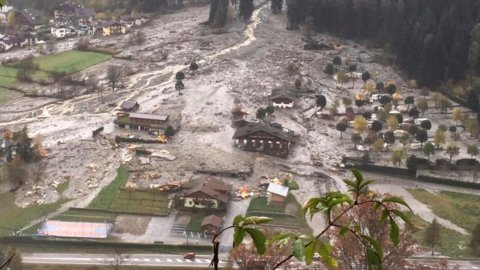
[119,139]
[446,181]
[38,242]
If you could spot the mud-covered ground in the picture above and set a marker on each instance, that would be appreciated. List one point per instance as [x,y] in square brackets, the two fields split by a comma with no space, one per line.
[239,65]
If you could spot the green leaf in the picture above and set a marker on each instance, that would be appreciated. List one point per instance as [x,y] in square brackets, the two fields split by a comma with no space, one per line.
[298,249]
[238,219]
[310,251]
[310,204]
[375,244]
[358,176]
[347,228]
[394,232]
[402,215]
[384,215]
[259,240]
[372,258]
[281,238]
[325,251]
[398,200]
[254,220]
[238,236]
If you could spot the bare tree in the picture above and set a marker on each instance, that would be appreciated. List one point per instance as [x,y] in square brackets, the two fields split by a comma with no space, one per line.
[51,45]
[114,76]
[118,259]
[57,77]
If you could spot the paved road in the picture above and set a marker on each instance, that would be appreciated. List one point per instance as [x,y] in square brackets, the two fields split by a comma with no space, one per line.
[111,259]
[462,265]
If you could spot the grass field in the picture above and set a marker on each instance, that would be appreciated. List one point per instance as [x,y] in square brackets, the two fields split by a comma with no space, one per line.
[113,197]
[105,198]
[452,243]
[70,61]
[14,218]
[86,216]
[259,207]
[141,202]
[461,209]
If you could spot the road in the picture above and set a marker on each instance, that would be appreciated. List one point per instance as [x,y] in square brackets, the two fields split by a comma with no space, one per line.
[462,264]
[158,260]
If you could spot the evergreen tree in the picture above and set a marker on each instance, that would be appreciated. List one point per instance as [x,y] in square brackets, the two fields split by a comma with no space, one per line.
[432,234]
[245,9]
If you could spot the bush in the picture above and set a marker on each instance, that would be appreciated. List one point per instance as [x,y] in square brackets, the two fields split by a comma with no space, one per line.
[137,37]
[83,44]
[169,132]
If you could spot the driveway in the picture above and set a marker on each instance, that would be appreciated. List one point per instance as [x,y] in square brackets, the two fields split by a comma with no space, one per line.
[234,208]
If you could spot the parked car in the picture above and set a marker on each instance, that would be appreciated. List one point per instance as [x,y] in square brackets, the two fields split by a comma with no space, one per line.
[362,148]
[189,256]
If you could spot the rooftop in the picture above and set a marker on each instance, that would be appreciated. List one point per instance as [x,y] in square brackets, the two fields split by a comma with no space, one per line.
[278,189]
[273,129]
[212,220]
[148,116]
[282,93]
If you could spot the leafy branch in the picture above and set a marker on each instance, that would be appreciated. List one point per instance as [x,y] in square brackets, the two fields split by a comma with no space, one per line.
[335,206]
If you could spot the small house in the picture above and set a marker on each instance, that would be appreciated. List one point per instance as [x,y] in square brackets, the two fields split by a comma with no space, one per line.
[130,106]
[268,138]
[212,224]
[114,28]
[141,121]
[239,117]
[206,192]
[282,98]
[32,19]
[84,15]
[276,194]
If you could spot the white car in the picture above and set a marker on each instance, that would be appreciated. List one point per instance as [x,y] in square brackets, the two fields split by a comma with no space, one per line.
[362,148]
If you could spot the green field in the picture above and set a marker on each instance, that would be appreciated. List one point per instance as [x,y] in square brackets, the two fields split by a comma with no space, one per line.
[452,243]
[115,198]
[14,218]
[141,202]
[461,209]
[259,207]
[86,215]
[70,61]
[105,198]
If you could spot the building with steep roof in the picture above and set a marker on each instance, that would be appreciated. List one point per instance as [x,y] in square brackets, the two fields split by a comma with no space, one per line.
[282,98]
[268,138]
[205,192]
[212,224]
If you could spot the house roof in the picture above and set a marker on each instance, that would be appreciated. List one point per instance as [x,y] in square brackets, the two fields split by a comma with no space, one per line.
[212,182]
[207,191]
[129,104]
[277,189]
[84,12]
[149,116]
[213,187]
[212,220]
[32,16]
[273,129]
[282,93]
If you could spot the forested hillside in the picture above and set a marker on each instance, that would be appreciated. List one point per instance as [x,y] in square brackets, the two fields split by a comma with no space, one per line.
[433,40]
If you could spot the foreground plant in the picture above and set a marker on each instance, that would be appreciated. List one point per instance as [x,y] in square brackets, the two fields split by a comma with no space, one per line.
[336,207]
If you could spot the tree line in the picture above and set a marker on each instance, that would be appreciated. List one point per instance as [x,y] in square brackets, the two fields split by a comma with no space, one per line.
[432,40]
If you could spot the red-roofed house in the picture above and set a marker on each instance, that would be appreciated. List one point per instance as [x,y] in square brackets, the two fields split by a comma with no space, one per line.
[206,192]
